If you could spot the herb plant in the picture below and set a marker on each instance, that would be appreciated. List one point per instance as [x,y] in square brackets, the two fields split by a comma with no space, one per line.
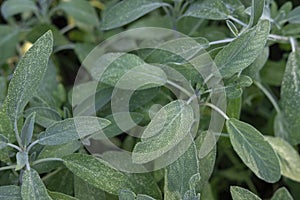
[211,113]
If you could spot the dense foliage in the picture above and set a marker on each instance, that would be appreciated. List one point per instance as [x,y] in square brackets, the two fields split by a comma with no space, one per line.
[233,126]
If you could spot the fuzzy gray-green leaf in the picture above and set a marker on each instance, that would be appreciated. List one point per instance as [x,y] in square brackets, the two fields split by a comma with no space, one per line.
[33,187]
[12,7]
[288,157]
[72,129]
[11,192]
[169,126]
[28,75]
[239,193]
[290,91]
[254,150]
[27,130]
[127,11]
[256,11]
[240,53]
[282,194]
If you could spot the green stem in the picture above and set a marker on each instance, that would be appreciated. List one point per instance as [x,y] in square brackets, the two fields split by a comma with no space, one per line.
[14,146]
[217,109]
[46,160]
[237,21]
[293,42]
[222,41]
[269,95]
[8,167]
[179,88]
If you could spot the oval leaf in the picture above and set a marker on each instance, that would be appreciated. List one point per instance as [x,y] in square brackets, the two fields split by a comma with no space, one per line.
[254,150]
[239,193]
[240,53]
[27,130]
[290,104]
[12,7]
[127,11]
[33,187]
[288,157]
[72,129]
[282,194]
[28,75]
[81,11]
[168,127]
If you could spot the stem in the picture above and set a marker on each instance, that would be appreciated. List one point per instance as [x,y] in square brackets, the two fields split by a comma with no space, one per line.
[237,21]
[180,88]
[278,37]
[269,95]
[14,146]
[67,28]
[217,109]
[17,134]
[293,42]
[64,47]
[221,134]
[222,41]
[46,160]
[32,144]
[8,167]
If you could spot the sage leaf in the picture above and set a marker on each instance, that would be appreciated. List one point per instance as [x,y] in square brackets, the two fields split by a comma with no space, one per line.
[288,157]
[11,192]
[179,173]
[60,196]
[294,16]
[44,116]
[290,91]
[239,193]
[9,40]
[81,11]
[208,9]
[72,129]
[28,75]
[27,130]
[59,151]
[127,11]
[6,128]
[12,7]
[97,173]
[127,195]
[84,190]
[254,150]
[22,159]
[282,194]
[256,11]
[240,53]
[168,127]
[33,187]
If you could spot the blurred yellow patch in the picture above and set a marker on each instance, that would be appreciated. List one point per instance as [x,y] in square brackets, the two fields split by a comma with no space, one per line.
[25,47]
[97,4]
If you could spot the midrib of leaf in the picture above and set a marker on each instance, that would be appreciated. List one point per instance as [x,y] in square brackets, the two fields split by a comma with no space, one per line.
[294,72]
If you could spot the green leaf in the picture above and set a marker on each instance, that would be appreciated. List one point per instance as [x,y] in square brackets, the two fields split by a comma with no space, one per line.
[97,173]
[9,40]
[289,102]
[239,193]
[179,173]
[11,192]
[60,181]
[60,196]
[45,116]
[127,195]
[168,127]
[3,141]
[191,194]
[288,157]
[72,129]
[81,11]
[254,150]
[234,107]
[28,75]
[208,9]
[243,51]
[6,126]
[232,28]
[294,16]
[127,11]
[33,187]
[22,159]
[27,130]
[256,11]
[234,86]
[282,194]
[59,151]
[13,7]
[83,190]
